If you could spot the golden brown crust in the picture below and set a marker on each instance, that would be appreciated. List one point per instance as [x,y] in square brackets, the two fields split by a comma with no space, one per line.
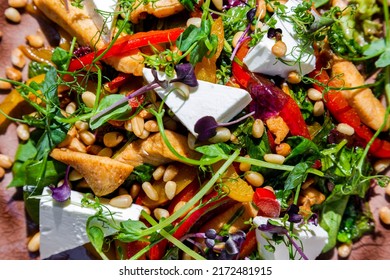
[103,174]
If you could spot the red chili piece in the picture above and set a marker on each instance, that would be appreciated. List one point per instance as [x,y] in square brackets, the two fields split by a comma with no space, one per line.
[126,44]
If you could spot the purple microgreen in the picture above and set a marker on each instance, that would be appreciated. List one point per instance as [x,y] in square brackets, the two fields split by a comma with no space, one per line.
[293,216]
[61,193]
[250,15]
[240,41]
[185,74]
[280,230]
[206,127]
[274,33]
[313,219]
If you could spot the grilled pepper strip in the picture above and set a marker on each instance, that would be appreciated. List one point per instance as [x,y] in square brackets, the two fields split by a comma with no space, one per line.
[339,108]
[126,44]
[266,95]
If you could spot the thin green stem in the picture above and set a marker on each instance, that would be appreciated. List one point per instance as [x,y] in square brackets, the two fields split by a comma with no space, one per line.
[172,239]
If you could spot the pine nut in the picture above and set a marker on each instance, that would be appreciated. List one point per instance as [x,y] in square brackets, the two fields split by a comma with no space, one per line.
[145,134]
[2,172]
[218,4]
[17,3]
[76,145]
[381,165]
[121,201]
[151,126]
[94,149]
[258,128]
[283,149]
[244,166]
[134,190]
[23,132]
[318,109]
[138,125]
[145,114]
[81,125]
[34,243]
[257,26]
[181,89]
[17,58]
[170,189]
[87,137]
[223,135]
[384,215]
[127,125]
[158,173]
[88,98]
[105,152]
[191,141]
[178,206]
[345,129]
[74,175]
[35,41]
[254,178]
[261,9]
[150,191]
[279,49]
[5,85]
[146,209]
[170,173]
[293,77]
[274,158]
[160,213]
[112,139]
[194,21]
[13,74]
[71,108]
[236,38]
[344,250]
[314,94]
[12,15]
[5,161]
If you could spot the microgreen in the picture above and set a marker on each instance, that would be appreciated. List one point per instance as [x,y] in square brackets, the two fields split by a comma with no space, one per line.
[207,125]
[62,193]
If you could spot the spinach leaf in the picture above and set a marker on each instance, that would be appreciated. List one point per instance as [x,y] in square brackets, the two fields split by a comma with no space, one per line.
[118,113]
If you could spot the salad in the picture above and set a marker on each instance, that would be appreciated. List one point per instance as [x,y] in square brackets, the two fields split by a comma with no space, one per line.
[184,129]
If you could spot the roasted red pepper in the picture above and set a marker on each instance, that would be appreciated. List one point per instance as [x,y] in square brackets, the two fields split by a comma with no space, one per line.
[340,109]
[268,99]
[267,203]
[249,245]
[118,81]
[126,44]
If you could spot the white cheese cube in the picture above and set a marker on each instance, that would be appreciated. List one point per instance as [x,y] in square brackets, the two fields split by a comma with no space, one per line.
[63,224]
[312,239]
[208,99]
[102,14]
[301,59]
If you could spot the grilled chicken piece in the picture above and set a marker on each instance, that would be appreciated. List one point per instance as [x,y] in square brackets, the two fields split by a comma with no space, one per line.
[159,8]
[77,22]
[370,110]
[153,150]
[103,174]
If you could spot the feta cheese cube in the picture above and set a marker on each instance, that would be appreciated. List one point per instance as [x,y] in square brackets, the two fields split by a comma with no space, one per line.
[208,99]
[299,58]
[102,14]
[312,239]
[63,225]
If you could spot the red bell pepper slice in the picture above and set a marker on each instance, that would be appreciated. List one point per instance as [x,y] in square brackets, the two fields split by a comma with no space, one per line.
[290,111]
[249,245]
[118,81]
[339,108]
[127,44]
[267,203]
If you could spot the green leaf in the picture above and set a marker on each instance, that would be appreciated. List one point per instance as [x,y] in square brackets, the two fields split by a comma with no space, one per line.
[142,173]
[36,68]
[131,230]
[96,236]
[375,48]
[118,113]
[384,59]
[49,87]
[60,58]
[215,150]
[297,176]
